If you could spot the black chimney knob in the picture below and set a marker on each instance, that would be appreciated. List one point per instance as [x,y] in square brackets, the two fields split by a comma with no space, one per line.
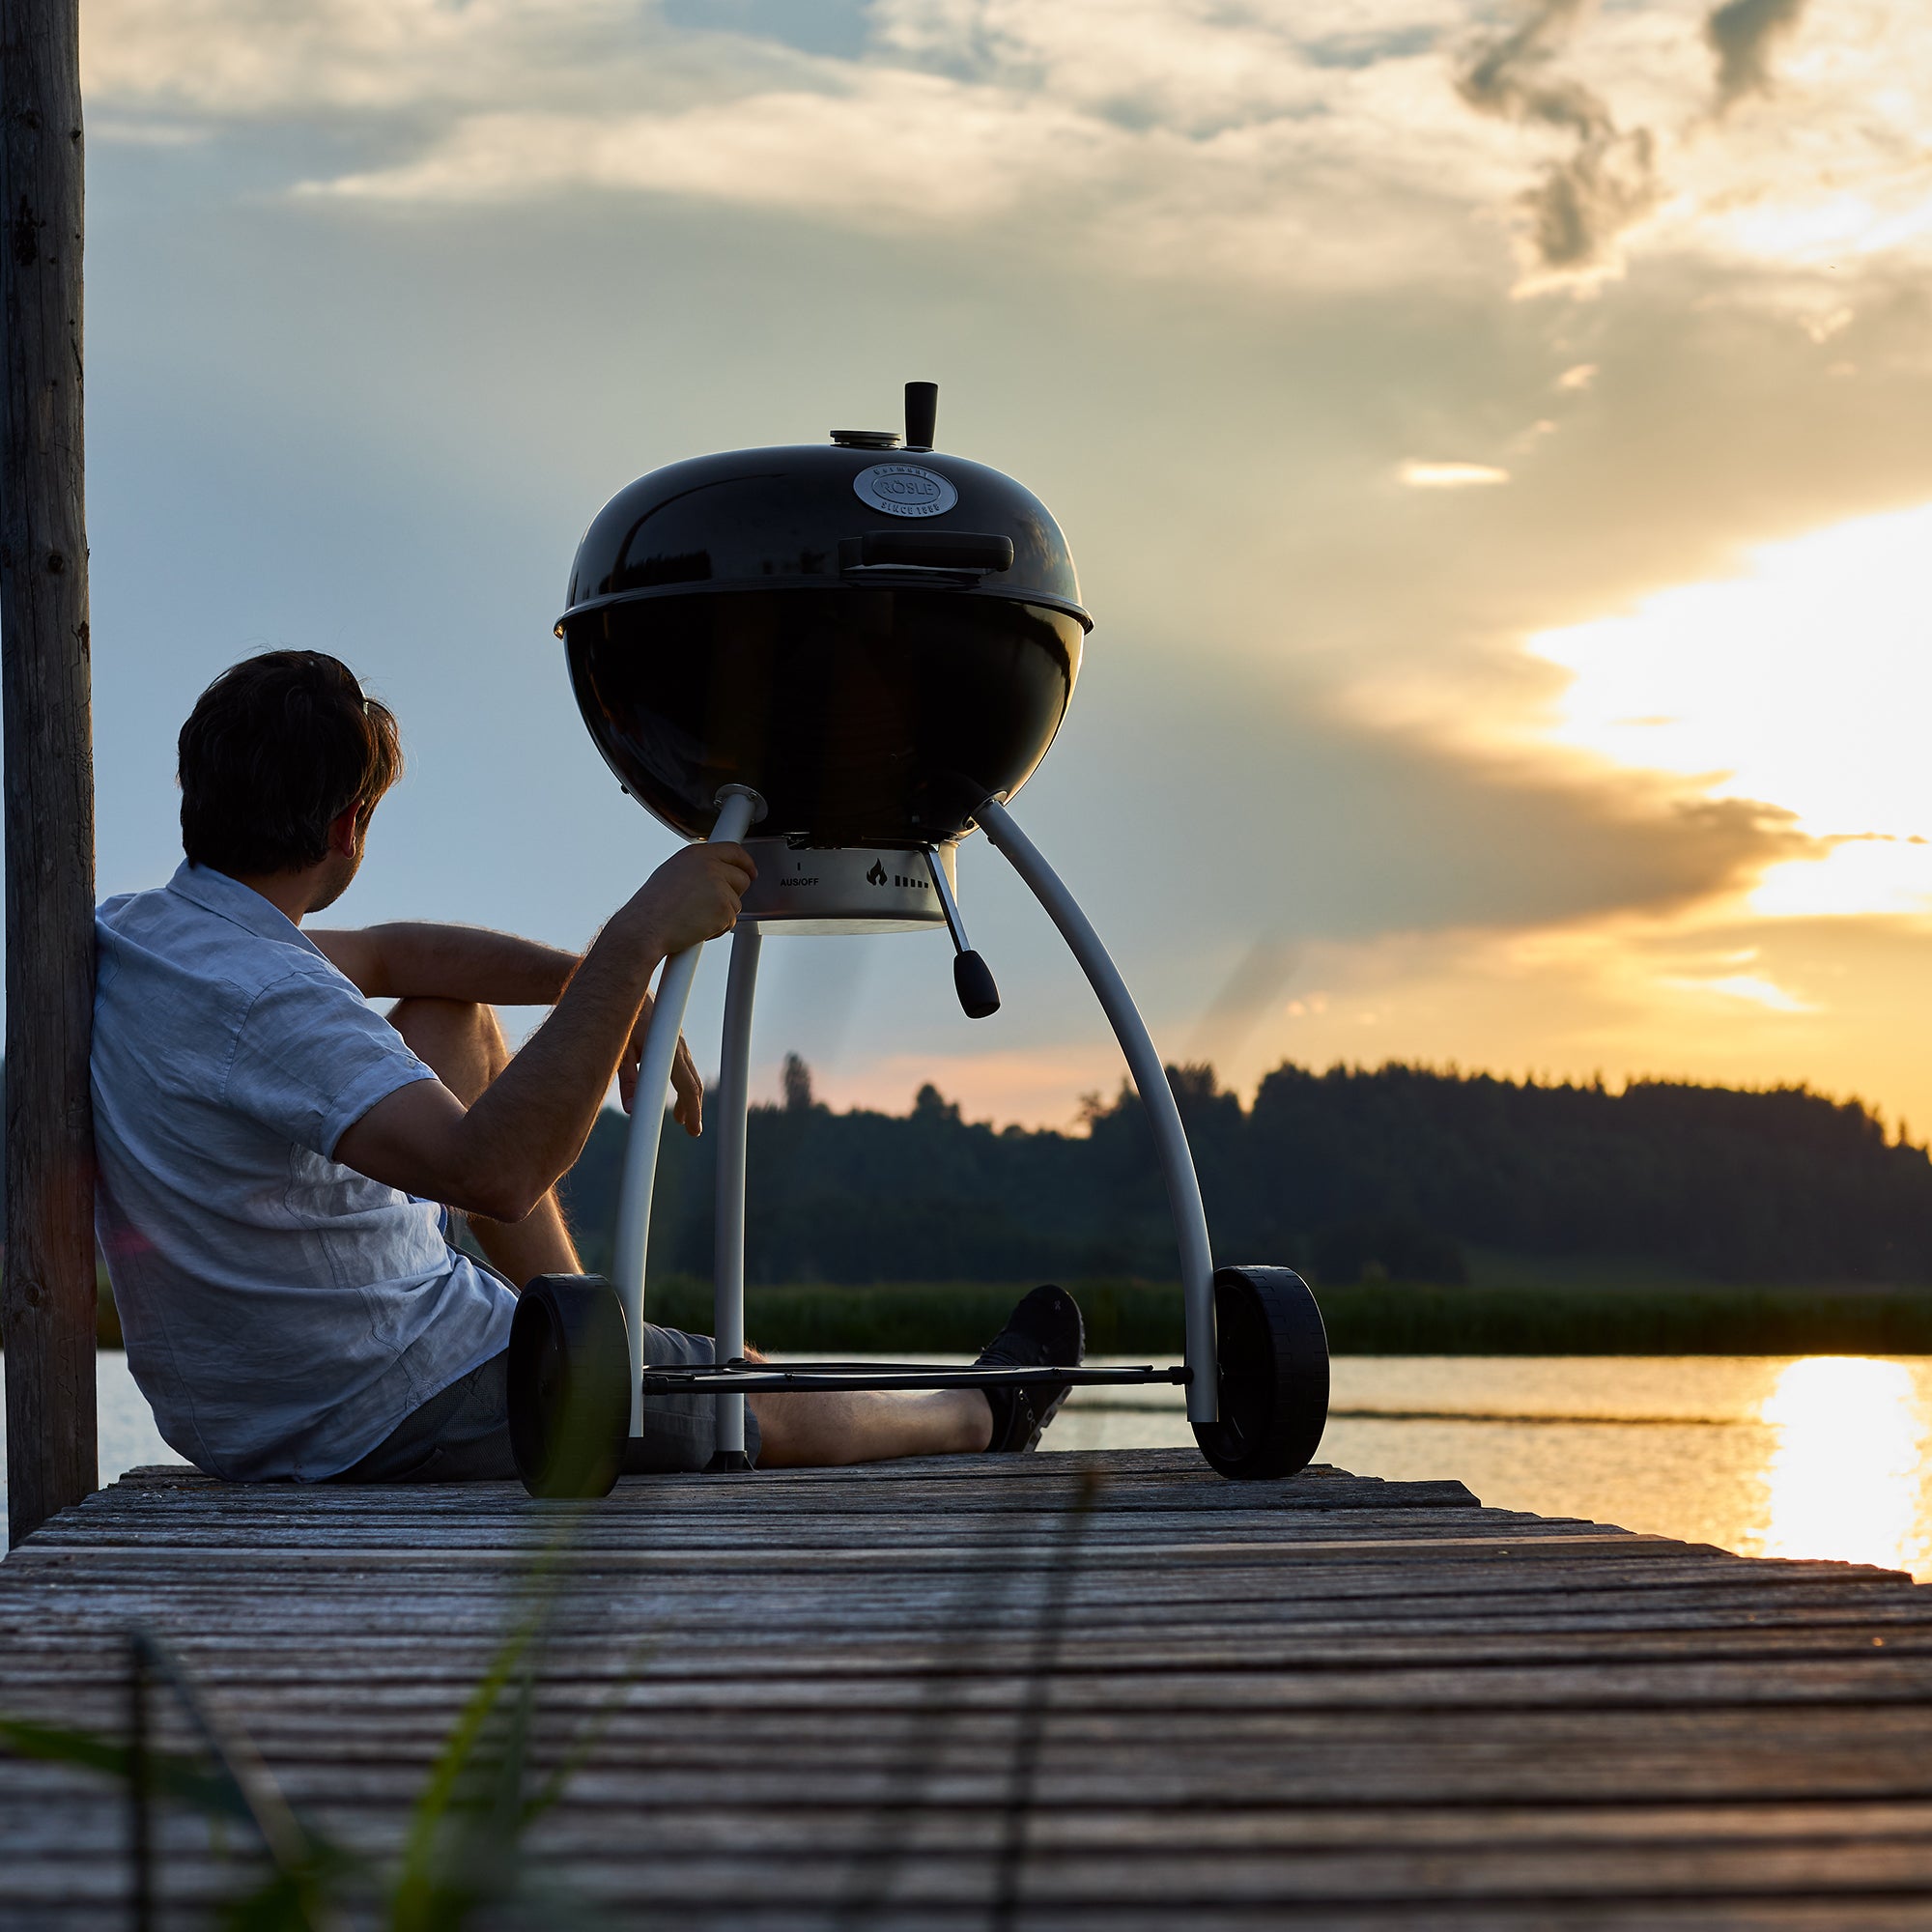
[922,413]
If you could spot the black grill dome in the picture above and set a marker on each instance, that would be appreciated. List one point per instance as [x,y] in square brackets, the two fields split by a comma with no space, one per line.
[872,637]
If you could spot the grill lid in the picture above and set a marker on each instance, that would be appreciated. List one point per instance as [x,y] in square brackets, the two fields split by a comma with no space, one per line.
[854,513]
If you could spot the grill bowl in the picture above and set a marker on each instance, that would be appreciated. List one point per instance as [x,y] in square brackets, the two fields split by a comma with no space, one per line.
[862,716]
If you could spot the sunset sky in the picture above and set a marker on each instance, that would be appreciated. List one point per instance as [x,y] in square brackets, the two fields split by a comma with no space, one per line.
[1496,442]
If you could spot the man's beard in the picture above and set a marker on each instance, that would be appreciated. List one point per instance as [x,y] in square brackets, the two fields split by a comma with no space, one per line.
[339,883]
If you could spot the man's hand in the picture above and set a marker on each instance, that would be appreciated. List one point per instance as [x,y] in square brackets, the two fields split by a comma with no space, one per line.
[692,896]
[687,1089]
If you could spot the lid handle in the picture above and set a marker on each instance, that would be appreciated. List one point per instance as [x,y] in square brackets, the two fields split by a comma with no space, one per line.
[926,549]
[922,413]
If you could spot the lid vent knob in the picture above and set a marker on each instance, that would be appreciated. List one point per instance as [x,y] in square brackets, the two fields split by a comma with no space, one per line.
[922,412]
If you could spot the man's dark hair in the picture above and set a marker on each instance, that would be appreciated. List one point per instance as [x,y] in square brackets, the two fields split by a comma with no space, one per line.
[276,749]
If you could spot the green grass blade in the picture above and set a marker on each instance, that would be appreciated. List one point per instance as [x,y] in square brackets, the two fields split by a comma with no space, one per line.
[169,1775]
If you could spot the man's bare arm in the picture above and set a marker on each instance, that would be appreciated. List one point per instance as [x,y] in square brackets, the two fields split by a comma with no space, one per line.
[503,1154]
[421,959]
[417,958]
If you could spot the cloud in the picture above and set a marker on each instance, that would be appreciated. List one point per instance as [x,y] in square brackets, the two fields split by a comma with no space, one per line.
[1337,829]
[1742,34]
[1320,146]
[1606,183]
[1152,139]
[1452,476]
[1750,986]
[1822,325]
[1580,377]
[897,148]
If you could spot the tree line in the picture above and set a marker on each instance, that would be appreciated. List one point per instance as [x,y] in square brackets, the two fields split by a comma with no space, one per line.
[1354,1174]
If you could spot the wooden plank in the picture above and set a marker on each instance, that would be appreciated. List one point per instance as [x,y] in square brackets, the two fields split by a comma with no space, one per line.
[1249,1574]
[1180,1466]
[1179,1477]
[1380,1542]
[1609,1596]
[789,1827]
[1183,1704]
[675,1882]
[210,1617]
[761,1660]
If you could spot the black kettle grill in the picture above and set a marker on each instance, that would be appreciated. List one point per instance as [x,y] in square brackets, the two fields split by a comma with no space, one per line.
[847,628]
[861,651]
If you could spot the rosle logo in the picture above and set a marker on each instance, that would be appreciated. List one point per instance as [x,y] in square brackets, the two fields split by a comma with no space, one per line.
[904,489]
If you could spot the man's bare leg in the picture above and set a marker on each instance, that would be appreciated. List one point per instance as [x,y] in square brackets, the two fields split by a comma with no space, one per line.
[1044,1332]
[464,1045]
[822,1431]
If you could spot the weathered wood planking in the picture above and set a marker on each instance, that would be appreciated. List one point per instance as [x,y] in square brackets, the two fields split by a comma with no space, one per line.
[1331,1701]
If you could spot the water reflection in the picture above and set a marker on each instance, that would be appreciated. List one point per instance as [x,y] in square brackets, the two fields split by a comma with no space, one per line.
[1843,1477]
[1822,1457]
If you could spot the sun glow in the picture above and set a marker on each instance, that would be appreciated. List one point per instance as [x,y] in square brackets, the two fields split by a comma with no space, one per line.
[1842,1482]
[1804,683]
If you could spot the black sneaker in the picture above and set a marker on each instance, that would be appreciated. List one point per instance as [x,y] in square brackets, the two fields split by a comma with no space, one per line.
[1044,1331]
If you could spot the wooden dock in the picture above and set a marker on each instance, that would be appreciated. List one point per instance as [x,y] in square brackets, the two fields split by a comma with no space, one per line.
[1058,1690]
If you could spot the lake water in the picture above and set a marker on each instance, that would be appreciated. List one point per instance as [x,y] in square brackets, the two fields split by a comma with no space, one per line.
[1818,1456]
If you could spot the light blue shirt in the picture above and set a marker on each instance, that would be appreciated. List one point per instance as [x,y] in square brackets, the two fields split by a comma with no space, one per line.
[282,1312]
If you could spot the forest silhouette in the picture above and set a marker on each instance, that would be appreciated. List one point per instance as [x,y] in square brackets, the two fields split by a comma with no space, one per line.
[1350,1174]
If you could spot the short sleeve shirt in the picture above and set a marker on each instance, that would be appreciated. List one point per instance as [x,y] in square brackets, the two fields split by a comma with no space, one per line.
[282,1312]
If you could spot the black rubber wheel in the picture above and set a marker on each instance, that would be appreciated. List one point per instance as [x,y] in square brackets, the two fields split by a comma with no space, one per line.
[569,1385]
[1273,1354]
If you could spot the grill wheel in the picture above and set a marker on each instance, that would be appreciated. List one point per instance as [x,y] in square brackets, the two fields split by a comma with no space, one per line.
[1274,1373]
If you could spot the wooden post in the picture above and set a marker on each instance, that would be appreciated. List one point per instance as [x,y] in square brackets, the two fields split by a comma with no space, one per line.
[47,1293]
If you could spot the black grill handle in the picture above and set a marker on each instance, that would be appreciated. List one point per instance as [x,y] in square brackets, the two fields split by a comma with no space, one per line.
[926,549]
[973,982]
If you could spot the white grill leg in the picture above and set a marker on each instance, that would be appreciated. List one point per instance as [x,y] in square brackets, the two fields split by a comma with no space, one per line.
[739,808]
[1170,1138]
[734,1100]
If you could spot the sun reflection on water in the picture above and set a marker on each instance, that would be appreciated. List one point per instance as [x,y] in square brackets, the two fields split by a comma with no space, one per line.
[1844,1478]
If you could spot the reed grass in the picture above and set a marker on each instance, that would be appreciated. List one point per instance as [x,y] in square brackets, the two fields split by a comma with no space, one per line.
[1371,1318]
[1384,1318]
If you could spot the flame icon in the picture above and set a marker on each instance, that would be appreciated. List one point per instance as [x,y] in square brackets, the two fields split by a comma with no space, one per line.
[877,875]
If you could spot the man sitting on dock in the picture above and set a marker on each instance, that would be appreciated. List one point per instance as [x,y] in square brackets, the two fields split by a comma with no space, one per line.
[278,1161]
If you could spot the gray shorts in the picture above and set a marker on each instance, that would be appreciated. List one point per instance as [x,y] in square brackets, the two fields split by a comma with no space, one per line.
[462,1435]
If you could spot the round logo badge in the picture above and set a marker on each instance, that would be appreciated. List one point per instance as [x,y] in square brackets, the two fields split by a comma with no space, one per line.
[904,489]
